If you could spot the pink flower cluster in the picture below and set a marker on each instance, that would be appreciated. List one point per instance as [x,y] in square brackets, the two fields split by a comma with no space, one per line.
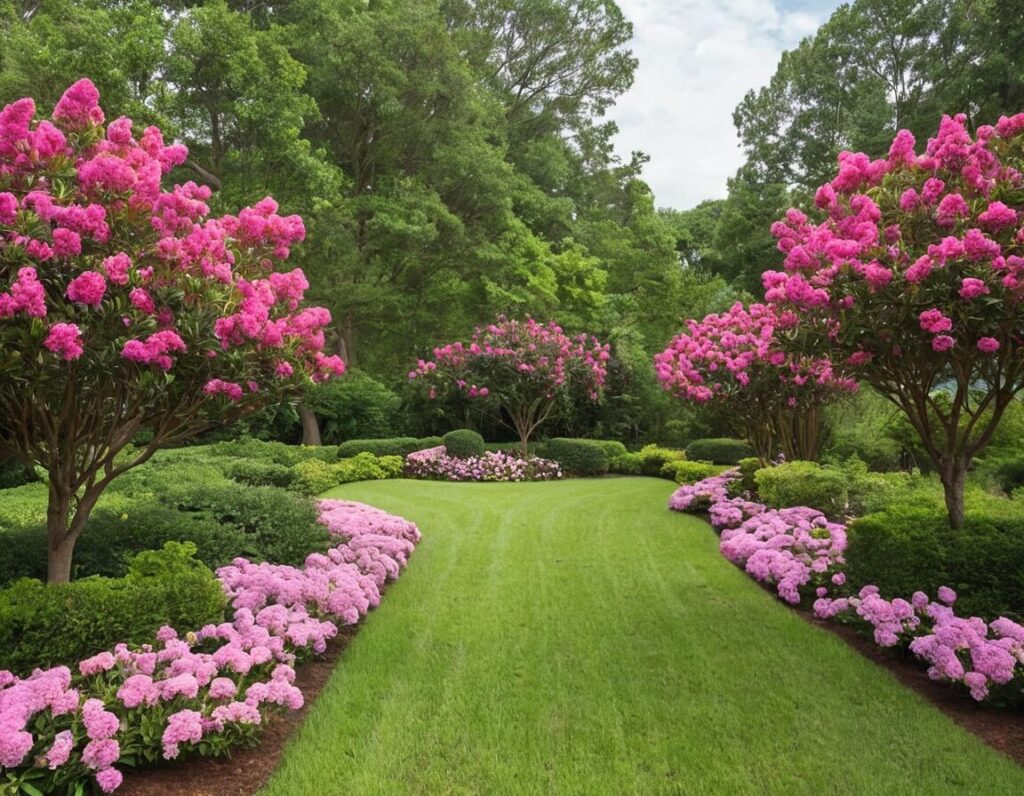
[219,678]
[435,463]
[798,548]
[966,244]
[185,271]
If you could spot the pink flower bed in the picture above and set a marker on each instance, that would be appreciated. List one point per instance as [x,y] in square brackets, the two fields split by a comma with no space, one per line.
[798,549]
[435,463]
[213,686]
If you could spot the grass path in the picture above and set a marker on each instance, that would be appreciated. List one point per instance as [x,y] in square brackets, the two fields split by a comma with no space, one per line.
[578,638]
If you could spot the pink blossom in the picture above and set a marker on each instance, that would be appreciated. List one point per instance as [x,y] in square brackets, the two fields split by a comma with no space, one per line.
[988,345]
[87,288]
[65,339]
[942,342]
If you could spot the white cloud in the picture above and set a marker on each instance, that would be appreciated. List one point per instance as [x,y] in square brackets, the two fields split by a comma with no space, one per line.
[697,60]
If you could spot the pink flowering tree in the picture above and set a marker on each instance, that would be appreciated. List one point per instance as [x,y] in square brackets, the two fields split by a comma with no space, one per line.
[124,307]
[524,372]
[914,280]
[733,361]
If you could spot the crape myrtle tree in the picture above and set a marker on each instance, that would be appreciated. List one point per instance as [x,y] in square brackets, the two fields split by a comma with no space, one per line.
[523,372]
[124,307]
[733,361]
[914,281]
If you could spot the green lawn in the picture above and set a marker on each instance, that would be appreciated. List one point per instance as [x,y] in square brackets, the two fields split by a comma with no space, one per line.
[579,638]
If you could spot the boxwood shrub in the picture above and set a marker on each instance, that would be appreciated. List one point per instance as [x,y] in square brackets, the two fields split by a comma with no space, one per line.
[314,477]
[259,473]
[686,472]
[800,483]
[654,458]
[910,548]
[47,625]
[719,450]
[463,443]
[583,457]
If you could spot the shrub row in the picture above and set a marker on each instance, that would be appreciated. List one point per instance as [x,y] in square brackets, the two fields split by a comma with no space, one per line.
[314,476]
[393,446]
[719,450]
[48,625]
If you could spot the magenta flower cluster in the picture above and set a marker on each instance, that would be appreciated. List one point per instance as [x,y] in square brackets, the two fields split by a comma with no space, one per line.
[180,268]
[435,463]
[797,549]
[215,685]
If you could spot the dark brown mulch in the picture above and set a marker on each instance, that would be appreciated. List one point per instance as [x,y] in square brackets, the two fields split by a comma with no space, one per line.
[247,770]
[1000,728]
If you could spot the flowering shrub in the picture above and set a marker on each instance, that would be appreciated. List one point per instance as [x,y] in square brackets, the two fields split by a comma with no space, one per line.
[526,369]
[734,359]
[206,690]
[798,549]
[126,307]
[914,281]
[435,463]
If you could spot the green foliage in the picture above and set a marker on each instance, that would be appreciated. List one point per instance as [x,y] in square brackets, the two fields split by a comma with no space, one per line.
[865,426]
[393,446]
[582,457]
[911,547]
[47,625]
[14,473]
[1005,472]
[354,406]
[259,473]
[612,447]
[748,469]
[515,448]
[653,459]
[684,472]
[804,484]
[314,476]
[276,452]
[625,464]
[719,450]
[463,443]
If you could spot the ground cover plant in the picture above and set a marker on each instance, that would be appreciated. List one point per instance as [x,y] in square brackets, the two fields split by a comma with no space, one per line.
[573,636]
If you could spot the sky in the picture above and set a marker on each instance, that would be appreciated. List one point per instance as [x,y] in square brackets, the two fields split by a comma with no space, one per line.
[697,60]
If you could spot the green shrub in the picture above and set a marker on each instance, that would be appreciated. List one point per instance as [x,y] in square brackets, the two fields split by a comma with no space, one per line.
[356,406]
[259,473]
[1005,471]
[315,477]
[625,464]
[463,443]
[44,626]
[911,548]
[392,446]
[14,473]
[686,472]
[276,452]
[612,447]
[583,457]
[719,450]
[653,459]
[800,483]
[280,524]
[748,467]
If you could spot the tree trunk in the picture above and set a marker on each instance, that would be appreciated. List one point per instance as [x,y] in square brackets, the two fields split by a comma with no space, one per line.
[310,426]
[954,477]
[58,560]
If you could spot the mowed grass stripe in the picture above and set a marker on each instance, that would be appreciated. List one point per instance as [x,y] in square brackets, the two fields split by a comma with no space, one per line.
[578,638]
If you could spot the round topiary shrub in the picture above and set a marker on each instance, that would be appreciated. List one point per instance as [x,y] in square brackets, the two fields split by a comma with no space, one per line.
[579,456]
[463,443]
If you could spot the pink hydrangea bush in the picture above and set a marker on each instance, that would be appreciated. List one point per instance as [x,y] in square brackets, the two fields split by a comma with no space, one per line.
[733,360]
[115,292]
[525,370]
[799,550]
[213,687]
[913,278]
[435,463]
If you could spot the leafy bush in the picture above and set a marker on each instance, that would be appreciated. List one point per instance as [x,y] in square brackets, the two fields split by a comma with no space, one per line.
[612,447]
[354,406]
[279,524]
[1006,471]
[276,452]
[46,625]
[719,450]
[14,473]
[625,464]
[685,472]
[584,457]
[653,459]
[314,477]
[391,446]
[911,548]
[748,468]
[259,473]
[463,443]
[804,484]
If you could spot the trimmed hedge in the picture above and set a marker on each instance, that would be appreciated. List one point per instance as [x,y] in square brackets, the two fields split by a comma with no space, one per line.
[626,464]
[583,457]
[48,625]
[315,477]
[684,472]
[259,473]
[719,450]
[910,548]
[800,483]
[389,446]
[463,443]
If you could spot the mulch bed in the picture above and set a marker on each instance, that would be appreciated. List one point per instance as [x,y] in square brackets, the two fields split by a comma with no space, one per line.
[1000,728]
[246,770]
